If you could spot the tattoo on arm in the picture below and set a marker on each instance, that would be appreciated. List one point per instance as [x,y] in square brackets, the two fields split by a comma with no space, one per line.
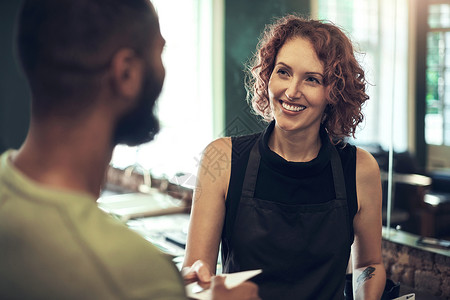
[365,275]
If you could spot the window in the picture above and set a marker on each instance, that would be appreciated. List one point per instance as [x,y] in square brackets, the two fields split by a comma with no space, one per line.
[379,31]
[185,106]
[437,116]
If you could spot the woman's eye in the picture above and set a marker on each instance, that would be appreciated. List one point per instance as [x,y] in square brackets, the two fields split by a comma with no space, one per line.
[313,79]
[282,72]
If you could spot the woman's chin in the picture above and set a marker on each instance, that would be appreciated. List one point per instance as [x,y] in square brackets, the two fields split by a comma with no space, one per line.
[295,125]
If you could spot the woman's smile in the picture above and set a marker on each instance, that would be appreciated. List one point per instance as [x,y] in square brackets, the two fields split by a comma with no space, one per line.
[291,107]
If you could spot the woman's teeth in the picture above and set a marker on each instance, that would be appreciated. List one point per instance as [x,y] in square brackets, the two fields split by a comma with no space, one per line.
[292,107]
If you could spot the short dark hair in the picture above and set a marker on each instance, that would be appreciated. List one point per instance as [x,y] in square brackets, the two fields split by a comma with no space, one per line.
[64,45]
[343,74]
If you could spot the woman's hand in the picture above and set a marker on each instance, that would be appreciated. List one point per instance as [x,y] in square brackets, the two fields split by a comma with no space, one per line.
[199,271]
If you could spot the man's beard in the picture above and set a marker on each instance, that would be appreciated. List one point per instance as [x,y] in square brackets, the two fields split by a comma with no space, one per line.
[140,125]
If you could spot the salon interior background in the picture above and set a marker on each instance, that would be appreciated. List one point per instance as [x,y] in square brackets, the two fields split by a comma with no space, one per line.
[404,45]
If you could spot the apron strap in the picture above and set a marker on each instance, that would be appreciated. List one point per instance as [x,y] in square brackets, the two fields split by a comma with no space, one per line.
[338,174]
[251,173]
[248,187]
[339,185]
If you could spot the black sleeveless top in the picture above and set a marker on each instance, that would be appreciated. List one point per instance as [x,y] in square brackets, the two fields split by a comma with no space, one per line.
[292,220]
[289,182]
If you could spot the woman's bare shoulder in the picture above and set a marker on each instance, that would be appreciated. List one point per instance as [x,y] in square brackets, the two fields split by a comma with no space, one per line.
[366,165]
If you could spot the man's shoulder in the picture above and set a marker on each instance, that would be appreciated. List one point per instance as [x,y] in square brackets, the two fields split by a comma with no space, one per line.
[132,261]
[79,241]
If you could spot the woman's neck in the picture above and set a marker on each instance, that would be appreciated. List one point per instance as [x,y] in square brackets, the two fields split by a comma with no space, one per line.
[295,146]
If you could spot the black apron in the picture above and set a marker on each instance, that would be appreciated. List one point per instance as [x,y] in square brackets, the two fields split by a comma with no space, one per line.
[303,250]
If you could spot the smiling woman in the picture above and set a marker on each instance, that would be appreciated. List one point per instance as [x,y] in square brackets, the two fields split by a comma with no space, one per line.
[187,93]
[296,90]
[330,62]
[282,197]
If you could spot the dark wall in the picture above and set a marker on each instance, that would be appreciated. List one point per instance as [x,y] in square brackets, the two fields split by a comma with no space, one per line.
[14,93]
[244,22]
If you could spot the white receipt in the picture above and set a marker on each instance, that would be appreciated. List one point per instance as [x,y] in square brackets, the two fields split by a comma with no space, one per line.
[407,297]
[231,280]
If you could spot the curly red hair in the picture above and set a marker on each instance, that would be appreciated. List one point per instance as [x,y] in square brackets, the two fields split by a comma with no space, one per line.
[343,76]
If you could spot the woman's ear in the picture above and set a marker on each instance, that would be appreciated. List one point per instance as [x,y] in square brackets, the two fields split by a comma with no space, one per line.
[127,74]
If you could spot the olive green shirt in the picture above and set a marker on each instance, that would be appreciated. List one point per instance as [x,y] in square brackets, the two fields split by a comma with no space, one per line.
[56,244]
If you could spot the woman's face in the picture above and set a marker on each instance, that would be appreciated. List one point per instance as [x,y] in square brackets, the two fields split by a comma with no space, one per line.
[296,89]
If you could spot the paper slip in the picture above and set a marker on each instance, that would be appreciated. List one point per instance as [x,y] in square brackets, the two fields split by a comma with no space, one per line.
[407,297]
[231,280]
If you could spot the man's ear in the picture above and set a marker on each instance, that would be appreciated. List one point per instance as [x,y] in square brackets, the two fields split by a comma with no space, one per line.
[127,73]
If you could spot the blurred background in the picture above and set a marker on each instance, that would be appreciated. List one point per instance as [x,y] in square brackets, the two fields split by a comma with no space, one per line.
[403,45]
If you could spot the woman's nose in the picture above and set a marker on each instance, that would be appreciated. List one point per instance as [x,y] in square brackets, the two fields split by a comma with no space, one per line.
[293,91]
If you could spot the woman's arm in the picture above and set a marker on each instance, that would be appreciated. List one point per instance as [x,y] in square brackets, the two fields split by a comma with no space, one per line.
[369,275]
[208,211]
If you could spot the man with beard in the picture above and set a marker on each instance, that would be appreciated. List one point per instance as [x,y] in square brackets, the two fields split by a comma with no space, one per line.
[94,69]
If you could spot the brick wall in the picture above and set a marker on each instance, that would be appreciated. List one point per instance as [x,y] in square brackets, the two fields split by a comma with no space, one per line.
[418,269]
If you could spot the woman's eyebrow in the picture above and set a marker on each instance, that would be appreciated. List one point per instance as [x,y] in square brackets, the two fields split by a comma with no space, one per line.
[282,63]
[314,73]
[289,67]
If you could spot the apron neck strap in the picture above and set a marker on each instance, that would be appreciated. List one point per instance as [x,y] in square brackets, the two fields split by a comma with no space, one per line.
[338,173]
[251,173]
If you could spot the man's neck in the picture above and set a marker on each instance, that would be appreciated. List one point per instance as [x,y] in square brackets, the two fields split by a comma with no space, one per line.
[67,158]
